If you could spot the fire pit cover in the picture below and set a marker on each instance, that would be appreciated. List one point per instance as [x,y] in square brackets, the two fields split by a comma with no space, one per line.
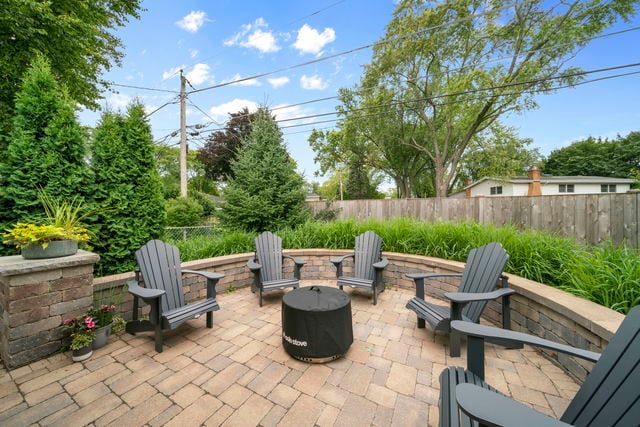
[316,323]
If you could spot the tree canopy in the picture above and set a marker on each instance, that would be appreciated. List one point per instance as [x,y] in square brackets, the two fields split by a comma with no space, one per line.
[454,67]
[76,37]
[618,158]
[222,146]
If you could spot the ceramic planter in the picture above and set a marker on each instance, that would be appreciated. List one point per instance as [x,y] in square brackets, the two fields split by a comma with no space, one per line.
[102,336]
[82,354]
[54,249]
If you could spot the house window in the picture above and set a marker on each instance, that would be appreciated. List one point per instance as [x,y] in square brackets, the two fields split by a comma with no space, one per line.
[608,188]
[496,190]
[566,188]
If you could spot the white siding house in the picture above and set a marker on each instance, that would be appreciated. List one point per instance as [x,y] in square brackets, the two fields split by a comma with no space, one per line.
[536,184]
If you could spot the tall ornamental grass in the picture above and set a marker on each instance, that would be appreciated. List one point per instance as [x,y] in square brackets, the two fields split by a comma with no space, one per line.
[605,274]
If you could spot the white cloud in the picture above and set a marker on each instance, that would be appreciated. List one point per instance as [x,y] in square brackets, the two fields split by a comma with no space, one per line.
[199,74]
[221,112]
[252,36]
[118,101]
[193,21]
[277,82]
[172,72]
[314,82]
[309,40]
[250,82]
[193,53]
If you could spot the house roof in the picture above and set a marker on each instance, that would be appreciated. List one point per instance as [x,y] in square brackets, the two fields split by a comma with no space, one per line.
[549,179]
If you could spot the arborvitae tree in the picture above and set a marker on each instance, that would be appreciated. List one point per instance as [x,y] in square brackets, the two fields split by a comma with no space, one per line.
[127,188]
[47,148]
[266,192]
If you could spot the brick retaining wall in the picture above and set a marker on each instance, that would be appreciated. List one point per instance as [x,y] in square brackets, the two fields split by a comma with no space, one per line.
[537,309]
[35,297]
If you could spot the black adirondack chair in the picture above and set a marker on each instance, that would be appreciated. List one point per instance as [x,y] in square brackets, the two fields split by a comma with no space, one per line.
[368,265]
[267,265]
[610,396]
[159,269]
[481,274]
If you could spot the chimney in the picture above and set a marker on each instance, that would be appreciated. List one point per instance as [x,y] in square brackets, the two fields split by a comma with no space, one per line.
[534,185]
[467,191]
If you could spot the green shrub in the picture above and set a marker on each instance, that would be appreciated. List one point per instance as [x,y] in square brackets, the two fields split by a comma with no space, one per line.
[183,212]
[126,187]
[606,275]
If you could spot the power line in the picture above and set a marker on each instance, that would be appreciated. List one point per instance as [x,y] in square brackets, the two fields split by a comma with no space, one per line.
[142,88]
[366,89]
[360,48]
[478,90]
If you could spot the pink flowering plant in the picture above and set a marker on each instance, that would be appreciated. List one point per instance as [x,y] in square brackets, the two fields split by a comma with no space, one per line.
[103,314]
[82,331]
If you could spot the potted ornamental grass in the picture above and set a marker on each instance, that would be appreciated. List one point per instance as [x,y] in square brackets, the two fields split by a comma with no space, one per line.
[55,235]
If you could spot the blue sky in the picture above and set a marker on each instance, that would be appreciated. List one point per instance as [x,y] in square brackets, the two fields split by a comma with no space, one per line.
[220,41]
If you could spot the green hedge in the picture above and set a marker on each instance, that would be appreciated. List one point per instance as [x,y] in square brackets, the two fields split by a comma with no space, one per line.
[604,274]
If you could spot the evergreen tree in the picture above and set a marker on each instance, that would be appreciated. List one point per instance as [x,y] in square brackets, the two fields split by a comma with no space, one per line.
[127,188]
[47,148]
[265,192]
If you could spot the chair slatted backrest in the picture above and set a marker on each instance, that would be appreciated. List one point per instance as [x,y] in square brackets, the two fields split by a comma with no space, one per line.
[269,255]
[367,252]
[481,273]
[159,263]
[611,393]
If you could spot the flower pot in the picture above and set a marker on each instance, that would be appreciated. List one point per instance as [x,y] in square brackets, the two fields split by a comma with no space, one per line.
[82,354]
[102,336]
[54,249]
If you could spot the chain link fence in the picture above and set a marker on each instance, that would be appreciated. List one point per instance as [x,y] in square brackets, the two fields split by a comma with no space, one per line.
[184,233]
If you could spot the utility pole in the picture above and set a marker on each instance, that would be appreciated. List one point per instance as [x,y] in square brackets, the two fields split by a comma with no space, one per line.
[183,136]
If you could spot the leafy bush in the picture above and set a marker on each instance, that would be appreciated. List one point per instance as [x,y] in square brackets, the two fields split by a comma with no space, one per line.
[183,212]
[606,275]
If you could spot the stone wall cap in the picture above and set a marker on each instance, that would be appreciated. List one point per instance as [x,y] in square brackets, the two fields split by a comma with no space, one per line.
[15,264]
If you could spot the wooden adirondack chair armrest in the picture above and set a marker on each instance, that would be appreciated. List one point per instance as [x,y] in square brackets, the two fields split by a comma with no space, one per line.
[144,293]
[494,409]
[491,333]
[253,265]
[418,278]
[338,260]
[466,297]
[207,274]
[382,264]
[297,261]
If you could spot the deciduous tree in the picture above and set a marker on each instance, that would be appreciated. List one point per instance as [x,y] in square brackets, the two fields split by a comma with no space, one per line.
[457,66]
[76,36]
[222,147]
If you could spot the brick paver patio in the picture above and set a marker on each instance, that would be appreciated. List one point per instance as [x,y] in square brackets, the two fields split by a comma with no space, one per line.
[237,374]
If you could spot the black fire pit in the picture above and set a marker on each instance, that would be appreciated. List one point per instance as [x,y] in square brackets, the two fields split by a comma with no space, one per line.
[316,323]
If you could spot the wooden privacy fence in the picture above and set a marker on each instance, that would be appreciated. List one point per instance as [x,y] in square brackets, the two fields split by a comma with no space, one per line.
[592,218]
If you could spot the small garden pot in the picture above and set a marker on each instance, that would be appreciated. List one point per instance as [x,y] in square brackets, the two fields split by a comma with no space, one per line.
[82,354]
[102,336]
[54,249]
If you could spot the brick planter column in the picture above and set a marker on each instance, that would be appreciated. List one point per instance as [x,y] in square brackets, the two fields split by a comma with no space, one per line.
[35,296]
